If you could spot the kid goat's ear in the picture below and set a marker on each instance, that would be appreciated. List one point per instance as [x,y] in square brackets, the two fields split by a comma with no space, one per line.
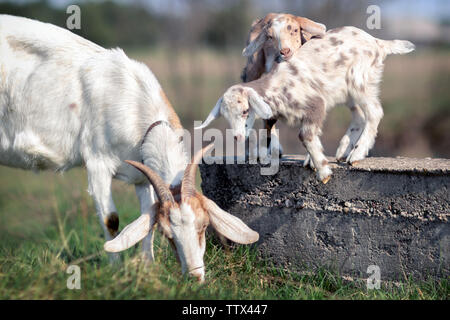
[214,114]
[261,108]
[256,44]
[257,35]
[313,28]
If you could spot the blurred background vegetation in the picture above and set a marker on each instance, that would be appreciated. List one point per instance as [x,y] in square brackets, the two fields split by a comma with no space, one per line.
[194,49]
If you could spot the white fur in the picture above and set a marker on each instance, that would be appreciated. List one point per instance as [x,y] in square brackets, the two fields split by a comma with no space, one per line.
[169,164]
[191,251]
[66,102]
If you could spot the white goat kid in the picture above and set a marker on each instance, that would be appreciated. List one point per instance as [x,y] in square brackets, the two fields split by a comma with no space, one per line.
[344,66]
[66,102]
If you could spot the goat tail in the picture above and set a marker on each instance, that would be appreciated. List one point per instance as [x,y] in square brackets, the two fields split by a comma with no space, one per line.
[397,46]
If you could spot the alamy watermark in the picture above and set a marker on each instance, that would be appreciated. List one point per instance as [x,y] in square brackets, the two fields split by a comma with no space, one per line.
[74,280]
[374,280]
[229,151]
[74,20]
[374,19]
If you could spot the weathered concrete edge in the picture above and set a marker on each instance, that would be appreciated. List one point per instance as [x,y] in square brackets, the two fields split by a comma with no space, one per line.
[373,164]
[258,208]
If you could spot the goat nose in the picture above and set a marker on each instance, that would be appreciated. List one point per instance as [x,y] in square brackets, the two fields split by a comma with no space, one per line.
[239,138]
[198,274]
[285,51]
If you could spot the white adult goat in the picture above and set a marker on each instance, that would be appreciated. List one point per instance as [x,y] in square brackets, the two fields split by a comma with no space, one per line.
[66,102]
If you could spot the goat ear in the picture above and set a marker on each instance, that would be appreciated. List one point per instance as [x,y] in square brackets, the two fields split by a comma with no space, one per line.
[257,35]
[214,114]
[255,44]
[228,225]
[261,108]
[313,28]
[130,235]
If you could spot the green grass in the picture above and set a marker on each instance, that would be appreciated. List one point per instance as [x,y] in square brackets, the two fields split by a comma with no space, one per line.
[48,222]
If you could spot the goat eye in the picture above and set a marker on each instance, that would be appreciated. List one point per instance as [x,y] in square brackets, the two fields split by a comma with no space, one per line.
[245,112]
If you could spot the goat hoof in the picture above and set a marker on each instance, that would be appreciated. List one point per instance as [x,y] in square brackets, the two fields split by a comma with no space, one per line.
[325,180]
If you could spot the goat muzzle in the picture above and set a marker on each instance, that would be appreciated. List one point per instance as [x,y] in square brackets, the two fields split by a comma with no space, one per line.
[198,273]
[285,52]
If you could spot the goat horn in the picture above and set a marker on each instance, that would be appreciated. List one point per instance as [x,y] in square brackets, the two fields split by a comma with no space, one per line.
[188,182]
[161,189]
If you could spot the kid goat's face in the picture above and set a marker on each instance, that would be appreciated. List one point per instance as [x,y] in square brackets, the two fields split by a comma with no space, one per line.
[284,35]
[240,105]
[236,109]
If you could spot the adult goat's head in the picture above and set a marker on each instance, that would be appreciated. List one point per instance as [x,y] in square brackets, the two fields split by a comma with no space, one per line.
[183,215]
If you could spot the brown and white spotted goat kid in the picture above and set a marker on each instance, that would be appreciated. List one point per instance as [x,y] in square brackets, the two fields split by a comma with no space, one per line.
[182,214]
[277,36]
[345,66]
[278,25]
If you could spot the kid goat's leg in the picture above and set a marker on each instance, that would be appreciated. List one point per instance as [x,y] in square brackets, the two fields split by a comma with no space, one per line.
[146,198]
[309,135]
[373,113]
[308,162]
[273,140]
[349,140]
[99,178]
[314,147]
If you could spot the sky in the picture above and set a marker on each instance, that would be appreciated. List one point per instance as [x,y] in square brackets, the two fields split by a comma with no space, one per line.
[434,9]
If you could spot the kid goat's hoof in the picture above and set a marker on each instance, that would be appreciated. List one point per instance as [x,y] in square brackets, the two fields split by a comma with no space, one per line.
[324,174]
[325,180]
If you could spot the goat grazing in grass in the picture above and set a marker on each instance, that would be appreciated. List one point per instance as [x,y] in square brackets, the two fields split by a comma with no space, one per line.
[344,66]
[66,102]
[282,34]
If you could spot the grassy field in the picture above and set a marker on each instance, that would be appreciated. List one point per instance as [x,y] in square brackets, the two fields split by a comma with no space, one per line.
[48,222]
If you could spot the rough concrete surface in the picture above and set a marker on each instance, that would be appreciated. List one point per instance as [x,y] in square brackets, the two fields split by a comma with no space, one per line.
[389,212]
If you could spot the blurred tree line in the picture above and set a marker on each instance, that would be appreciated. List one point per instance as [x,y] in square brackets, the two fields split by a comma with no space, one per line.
[415,91]
[111,24]
[186,23]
